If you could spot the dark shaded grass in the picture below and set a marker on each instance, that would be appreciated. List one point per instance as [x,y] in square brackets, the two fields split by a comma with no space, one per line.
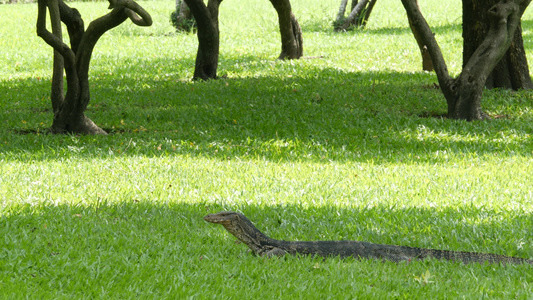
[319,113]
[109,249]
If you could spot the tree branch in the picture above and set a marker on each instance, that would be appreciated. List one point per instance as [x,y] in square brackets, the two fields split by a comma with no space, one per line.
[342,11]
[351,17]
[122,9]
[57,93]
[418,21]
[137,14]
[72,19]
[50,38]
[96,29]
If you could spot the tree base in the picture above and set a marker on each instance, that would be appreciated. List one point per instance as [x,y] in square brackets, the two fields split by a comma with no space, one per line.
[82,125]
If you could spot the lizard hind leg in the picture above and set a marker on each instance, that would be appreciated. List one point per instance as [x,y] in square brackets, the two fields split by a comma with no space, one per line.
[275,252]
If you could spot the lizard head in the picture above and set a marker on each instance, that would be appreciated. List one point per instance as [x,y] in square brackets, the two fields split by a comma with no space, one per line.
[223,218]
[239,226]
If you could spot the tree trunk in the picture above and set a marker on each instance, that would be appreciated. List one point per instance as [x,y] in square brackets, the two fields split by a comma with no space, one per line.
[291,33]
[512,72]
[208,38]
[464,94]
[182,18]
[358,17]
[57,90]
[427,63]
[184,11]
[342,11]
[69,108]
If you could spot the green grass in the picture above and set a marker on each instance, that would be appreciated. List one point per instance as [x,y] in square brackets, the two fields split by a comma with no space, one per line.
[338,147]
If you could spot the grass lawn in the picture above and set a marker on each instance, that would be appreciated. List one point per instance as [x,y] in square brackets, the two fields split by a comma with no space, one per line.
[341,146]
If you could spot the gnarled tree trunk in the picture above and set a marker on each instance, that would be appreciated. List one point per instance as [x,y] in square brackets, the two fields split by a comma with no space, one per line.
[208,38]
[291,33]
[512,72]
[463,94]
[69,108]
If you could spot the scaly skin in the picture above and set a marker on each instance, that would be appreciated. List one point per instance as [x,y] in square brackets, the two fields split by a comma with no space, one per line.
[239,226]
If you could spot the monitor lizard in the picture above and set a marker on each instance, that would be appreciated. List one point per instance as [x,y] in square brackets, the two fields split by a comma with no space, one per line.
[260,244]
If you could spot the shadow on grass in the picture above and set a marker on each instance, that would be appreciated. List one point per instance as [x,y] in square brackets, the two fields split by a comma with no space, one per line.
[164,249]
[310,113]
[108,232]
[318,26]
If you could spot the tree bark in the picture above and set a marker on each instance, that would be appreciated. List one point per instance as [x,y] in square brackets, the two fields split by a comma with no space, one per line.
[512,72]
[208,38]
[69,107]
[342,11]
[291,33]
[427,63]
[464,94]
